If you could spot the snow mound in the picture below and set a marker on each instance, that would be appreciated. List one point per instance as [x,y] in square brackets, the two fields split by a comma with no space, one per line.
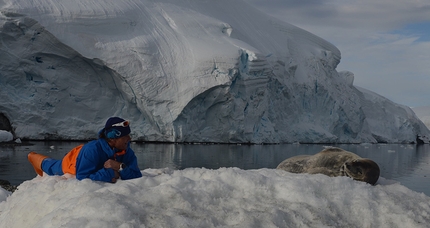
[3,194]
[227,197]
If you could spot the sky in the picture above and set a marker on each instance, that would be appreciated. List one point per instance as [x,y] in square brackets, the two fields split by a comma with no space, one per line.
[385,43]
[225,197]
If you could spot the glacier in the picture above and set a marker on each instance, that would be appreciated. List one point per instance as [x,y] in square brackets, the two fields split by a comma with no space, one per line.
[182,71]
[423,113]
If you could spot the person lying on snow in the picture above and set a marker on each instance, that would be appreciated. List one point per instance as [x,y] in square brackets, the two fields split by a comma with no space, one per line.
[106,159]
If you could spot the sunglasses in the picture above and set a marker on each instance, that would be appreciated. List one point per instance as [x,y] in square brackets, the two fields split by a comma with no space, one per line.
[122,124]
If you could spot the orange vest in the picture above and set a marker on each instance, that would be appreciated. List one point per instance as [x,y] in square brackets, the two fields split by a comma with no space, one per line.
[69,161]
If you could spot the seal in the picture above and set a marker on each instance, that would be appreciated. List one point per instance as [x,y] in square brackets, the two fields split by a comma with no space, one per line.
[334,162]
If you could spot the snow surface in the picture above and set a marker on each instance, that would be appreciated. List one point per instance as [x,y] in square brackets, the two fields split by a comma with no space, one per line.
[4,194]
[182,71]
[226,197]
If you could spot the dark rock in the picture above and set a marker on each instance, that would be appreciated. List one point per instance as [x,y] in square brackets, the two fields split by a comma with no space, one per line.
[6,185]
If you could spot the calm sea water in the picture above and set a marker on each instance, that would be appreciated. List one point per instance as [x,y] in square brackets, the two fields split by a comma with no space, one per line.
[407,164]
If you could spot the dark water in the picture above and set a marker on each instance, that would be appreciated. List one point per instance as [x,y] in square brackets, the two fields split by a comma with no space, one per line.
[407,164]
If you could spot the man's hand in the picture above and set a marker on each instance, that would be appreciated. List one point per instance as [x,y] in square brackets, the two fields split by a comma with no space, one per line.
[116,174]
[112,164]
[116,177]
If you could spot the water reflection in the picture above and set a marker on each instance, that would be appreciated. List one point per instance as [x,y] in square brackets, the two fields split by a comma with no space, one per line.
[408,164]
[179,156]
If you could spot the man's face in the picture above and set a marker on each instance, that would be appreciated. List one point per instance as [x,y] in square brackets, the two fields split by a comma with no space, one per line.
[121,142]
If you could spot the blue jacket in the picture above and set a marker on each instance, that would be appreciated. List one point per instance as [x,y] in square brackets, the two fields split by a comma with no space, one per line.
[92,156]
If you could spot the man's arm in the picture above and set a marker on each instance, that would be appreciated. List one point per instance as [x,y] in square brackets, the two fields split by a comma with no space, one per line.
[90,163]
[131,169]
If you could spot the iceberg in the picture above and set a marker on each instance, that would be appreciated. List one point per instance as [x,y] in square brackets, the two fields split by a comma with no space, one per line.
[182,71]
[5,136]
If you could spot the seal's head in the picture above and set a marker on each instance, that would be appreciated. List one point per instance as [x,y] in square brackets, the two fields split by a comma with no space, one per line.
[362,170]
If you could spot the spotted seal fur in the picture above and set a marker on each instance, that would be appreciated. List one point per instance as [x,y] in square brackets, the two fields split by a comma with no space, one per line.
[334,162]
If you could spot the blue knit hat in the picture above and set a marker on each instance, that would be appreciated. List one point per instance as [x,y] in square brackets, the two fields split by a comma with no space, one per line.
[116,127]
